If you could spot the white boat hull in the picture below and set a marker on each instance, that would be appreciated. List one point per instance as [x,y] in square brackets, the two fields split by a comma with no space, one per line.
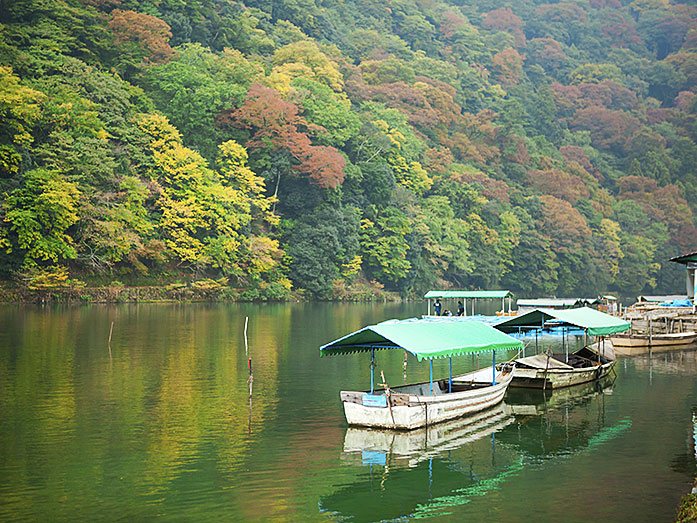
[639,344]
[558,378]
[406,411]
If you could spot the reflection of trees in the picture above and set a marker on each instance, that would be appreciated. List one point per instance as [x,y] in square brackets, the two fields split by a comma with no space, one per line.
[171,402]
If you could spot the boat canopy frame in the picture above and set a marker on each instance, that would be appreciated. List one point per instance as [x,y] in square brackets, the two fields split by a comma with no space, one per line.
[427,339]
[594,322]
[471,295]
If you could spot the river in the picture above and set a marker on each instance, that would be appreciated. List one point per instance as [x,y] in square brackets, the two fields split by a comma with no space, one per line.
[158,425]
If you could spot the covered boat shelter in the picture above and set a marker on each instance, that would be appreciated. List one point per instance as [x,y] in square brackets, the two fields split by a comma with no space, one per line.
[426,339]
[469,295]
[553,303]
[594,322]
[591,321]
[690,263]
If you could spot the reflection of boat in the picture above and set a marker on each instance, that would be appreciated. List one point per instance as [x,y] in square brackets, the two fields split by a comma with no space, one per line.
[668,362]
[632,344]
[528,402]
[543,371]
[438,484]
[379,446]
[423,404]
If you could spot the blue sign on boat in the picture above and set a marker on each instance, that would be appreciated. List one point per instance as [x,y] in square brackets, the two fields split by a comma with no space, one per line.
[373,457]
[374,400]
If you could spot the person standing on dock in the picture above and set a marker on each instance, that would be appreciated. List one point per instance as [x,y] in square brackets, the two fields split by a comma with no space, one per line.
[437,306]
[460,309]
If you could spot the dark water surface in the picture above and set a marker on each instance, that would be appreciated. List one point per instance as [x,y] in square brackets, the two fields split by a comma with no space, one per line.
[163,429]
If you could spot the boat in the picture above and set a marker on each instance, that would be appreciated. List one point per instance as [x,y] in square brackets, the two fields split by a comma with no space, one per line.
[550,371]
[417,405]
[633,344]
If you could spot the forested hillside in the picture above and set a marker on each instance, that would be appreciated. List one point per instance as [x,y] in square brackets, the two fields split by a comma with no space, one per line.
[337,147]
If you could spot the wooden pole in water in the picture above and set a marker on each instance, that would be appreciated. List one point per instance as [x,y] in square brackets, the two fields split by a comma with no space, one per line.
[111,330]
[250,380]
[246,344]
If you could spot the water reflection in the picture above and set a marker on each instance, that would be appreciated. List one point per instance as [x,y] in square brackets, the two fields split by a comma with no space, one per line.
[429,472]
[163,429]
[412,447]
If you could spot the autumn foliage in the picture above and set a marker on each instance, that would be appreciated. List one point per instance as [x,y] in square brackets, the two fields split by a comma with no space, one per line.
[275,122]
[148,31]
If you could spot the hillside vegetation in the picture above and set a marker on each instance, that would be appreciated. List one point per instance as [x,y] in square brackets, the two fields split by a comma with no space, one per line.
[344,147]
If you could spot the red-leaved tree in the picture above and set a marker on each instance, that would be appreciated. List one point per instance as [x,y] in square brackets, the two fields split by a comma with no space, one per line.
[275,123]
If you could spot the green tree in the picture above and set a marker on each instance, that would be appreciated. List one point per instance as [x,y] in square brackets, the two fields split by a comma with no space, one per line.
[36,217]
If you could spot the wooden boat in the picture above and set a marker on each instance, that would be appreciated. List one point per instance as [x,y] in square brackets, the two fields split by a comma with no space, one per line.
[413,406]
[545,371]
[556,371]
[423,404]
[632,344]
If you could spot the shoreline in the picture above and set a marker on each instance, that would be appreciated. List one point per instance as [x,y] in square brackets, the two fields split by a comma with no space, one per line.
[196,292]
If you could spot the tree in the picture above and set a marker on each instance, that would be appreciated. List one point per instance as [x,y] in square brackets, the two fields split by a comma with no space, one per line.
[275,122]
[304,59]
[384,247]
[509,66]
[37,216]
[195,86]
[20,109]
[148,33]
[503,19]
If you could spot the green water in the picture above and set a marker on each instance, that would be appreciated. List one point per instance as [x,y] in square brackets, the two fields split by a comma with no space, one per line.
[162,428]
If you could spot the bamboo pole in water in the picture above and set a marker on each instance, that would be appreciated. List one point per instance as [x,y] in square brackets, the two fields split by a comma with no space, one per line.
[246,345]
[111,331]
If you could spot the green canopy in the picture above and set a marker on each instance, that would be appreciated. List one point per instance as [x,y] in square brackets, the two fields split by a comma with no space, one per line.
[595,322]
[468,294]
[425,338]
[685,259]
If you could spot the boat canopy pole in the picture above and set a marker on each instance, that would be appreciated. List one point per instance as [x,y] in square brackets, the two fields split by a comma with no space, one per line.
[450,381]
[430,376]
[465,313]
[493,367]
[372,370]
[429,306]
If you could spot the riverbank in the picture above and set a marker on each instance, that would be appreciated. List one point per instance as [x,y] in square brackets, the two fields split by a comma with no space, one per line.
[687,510]
[204,290]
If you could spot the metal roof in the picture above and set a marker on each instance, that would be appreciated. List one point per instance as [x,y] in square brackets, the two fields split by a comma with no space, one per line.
[491,295]
[595,322]
[552,302]
[661,299]
[424,338]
